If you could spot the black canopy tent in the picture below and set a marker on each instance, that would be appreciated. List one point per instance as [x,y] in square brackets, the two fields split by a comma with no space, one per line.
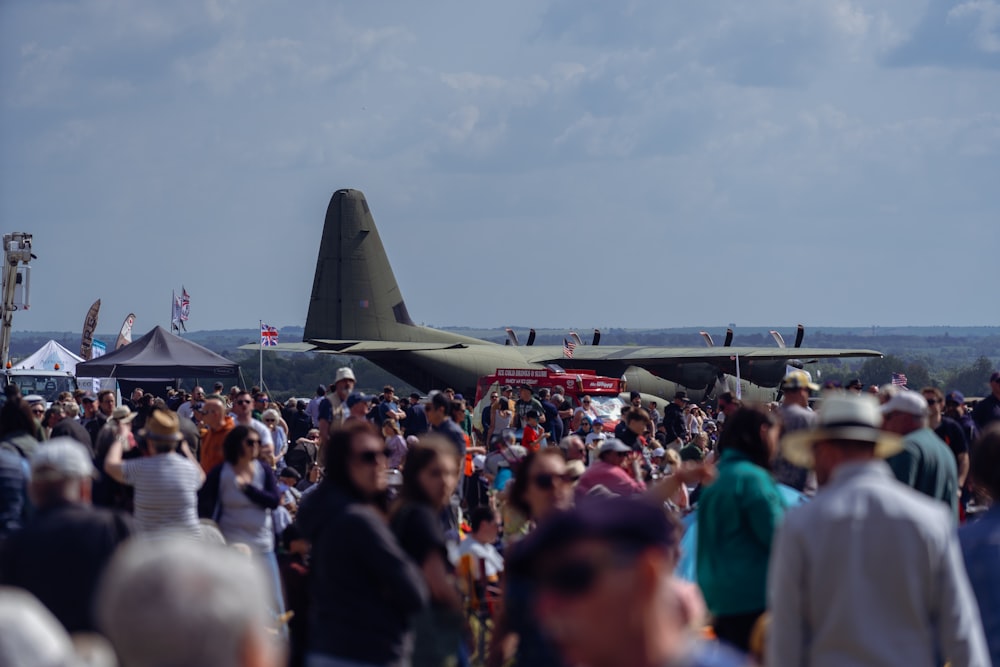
[160,355]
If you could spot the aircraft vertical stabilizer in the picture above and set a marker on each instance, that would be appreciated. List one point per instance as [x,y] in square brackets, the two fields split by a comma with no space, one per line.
[355,296]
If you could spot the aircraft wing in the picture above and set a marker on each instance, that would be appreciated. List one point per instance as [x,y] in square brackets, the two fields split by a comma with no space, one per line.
[375,346]
[353,346]
[646,356]
[280,347]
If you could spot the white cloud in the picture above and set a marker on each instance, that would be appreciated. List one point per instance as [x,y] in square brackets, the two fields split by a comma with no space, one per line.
[987,16]
[725,137]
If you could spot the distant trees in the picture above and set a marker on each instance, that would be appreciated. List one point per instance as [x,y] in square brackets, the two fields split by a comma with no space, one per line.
[972,380]
[298,375]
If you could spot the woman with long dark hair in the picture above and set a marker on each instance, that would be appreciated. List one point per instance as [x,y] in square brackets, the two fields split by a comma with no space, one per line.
[18,427]
[737,516]
[541,487]
[365,589]
[239,495]
[429,480]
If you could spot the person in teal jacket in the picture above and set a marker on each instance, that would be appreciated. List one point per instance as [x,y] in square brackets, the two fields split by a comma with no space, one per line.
[737,517]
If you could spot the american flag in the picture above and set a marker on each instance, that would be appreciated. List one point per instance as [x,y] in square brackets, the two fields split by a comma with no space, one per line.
[568,347]
[899,379]
[268,335]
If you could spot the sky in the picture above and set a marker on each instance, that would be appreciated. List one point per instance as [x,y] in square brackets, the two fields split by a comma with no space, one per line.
[574,163]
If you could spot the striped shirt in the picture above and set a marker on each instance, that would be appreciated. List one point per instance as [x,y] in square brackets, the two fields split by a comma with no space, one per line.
[166,488]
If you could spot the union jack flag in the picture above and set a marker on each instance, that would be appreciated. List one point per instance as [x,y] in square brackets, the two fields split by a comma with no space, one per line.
[568,347]
[899,379]
[268,335]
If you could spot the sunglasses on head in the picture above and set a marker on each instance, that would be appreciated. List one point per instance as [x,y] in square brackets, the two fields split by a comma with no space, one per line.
[547,481]
[371,457]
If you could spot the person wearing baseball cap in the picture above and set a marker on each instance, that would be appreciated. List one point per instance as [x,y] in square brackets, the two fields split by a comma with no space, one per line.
[615,468]
[987,411]
[954,407]
[925,462]
[796,415]
[868,558]
[65,525]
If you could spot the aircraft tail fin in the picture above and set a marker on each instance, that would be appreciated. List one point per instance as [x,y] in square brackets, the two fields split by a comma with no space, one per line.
[355,295]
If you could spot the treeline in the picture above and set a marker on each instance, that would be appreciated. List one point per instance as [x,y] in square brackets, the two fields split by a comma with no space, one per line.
[971,379]
[298,375]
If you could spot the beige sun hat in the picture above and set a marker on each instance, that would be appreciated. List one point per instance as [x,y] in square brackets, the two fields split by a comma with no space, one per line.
[842,416]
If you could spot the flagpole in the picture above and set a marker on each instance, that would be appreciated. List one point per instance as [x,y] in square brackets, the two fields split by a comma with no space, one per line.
[173,300]
[739,386]
[261,355]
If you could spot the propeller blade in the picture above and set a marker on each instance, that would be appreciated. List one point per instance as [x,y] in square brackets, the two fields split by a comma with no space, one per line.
[531,337]
[511,336]
[597,337]
[799,335]
[777,338]
[708,338]
[729,338]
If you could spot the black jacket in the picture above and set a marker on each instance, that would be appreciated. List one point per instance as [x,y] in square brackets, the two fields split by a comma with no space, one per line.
[59,557]
[365,590]
[208,496]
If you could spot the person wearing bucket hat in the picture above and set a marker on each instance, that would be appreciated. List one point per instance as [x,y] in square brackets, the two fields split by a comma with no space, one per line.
[332,410]
[868,559]
[166,481]
[924,463]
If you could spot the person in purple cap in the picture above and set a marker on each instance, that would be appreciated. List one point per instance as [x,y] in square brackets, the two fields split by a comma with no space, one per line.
[954,407]
[606,595]
[987,411]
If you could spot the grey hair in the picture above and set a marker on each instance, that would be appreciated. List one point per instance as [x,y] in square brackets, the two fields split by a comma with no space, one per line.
[173,602]
[569,440]
[71,409]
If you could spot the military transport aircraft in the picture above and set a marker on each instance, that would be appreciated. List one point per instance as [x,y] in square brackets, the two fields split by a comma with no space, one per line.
[356,308]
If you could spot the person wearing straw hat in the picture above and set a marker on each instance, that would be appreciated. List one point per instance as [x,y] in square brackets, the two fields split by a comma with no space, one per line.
[166,481]
[869,572]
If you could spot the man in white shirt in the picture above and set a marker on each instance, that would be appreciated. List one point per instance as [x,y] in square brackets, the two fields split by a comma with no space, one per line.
[869,572]
[187,408]
[243,416]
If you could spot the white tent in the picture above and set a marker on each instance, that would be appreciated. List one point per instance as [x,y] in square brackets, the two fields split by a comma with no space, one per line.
[48,356]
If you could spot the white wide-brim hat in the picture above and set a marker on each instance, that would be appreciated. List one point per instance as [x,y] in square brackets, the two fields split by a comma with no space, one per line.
[842,416]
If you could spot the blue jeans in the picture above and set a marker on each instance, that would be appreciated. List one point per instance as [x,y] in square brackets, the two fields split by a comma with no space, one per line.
[270,562]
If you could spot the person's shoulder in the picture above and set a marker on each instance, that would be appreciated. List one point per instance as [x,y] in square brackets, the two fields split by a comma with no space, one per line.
[984,529]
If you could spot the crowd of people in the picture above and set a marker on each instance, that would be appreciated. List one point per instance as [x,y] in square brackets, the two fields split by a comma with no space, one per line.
[218,528]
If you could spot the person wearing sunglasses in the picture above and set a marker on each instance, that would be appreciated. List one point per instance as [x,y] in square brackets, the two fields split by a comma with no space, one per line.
[239,495]
[364,588]
[541,488]
[243,416]
[429,479]
[606,595]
